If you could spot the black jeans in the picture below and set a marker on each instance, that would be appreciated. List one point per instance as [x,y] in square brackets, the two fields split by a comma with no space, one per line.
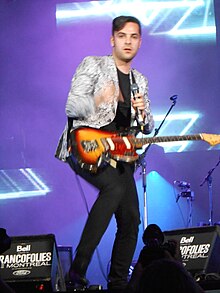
[118,196]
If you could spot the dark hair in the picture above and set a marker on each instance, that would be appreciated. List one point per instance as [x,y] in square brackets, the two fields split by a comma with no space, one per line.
[153,232]
[119,22]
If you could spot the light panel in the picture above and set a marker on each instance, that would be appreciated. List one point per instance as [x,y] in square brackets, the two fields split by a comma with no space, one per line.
[176,18]
[18,183]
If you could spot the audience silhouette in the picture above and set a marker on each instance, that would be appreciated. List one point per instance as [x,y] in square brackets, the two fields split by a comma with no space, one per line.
[159,267]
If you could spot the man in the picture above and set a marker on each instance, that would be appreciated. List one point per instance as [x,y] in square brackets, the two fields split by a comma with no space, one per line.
[100,97]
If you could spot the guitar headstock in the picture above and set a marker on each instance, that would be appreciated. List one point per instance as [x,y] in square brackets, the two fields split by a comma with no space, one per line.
[212,139]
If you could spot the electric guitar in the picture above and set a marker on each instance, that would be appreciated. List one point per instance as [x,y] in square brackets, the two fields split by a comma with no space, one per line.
[92,147]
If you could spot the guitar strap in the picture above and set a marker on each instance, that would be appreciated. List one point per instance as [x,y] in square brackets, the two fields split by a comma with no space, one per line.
[70,124]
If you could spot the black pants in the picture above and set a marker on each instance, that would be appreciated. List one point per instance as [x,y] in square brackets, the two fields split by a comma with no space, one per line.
[118,196]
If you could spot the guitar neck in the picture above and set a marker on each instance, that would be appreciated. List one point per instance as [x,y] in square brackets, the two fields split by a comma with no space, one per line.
[139,142]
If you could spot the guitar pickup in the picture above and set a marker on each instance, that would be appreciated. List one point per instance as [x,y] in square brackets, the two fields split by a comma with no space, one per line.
[89,145]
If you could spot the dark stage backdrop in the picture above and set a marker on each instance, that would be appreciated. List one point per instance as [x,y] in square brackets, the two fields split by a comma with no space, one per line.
[39,54]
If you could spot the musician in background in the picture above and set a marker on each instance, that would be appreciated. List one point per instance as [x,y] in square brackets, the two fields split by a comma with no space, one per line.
[102,96]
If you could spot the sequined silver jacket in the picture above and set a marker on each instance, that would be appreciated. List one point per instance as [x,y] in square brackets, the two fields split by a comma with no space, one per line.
[93,97]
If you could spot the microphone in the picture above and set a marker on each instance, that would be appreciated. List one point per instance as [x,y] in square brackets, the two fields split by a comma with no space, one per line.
[173,98]
[135,90]
[182,184]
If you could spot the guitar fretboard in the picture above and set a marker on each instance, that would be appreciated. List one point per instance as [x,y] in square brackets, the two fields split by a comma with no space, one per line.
[139,142]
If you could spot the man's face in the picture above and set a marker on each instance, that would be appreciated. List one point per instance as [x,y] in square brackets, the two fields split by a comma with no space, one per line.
[126,42]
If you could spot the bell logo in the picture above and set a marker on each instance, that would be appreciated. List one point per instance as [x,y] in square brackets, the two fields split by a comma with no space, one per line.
[185,240]
[25,248]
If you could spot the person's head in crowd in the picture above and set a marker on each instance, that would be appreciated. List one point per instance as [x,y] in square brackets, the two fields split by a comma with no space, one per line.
[167,276]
